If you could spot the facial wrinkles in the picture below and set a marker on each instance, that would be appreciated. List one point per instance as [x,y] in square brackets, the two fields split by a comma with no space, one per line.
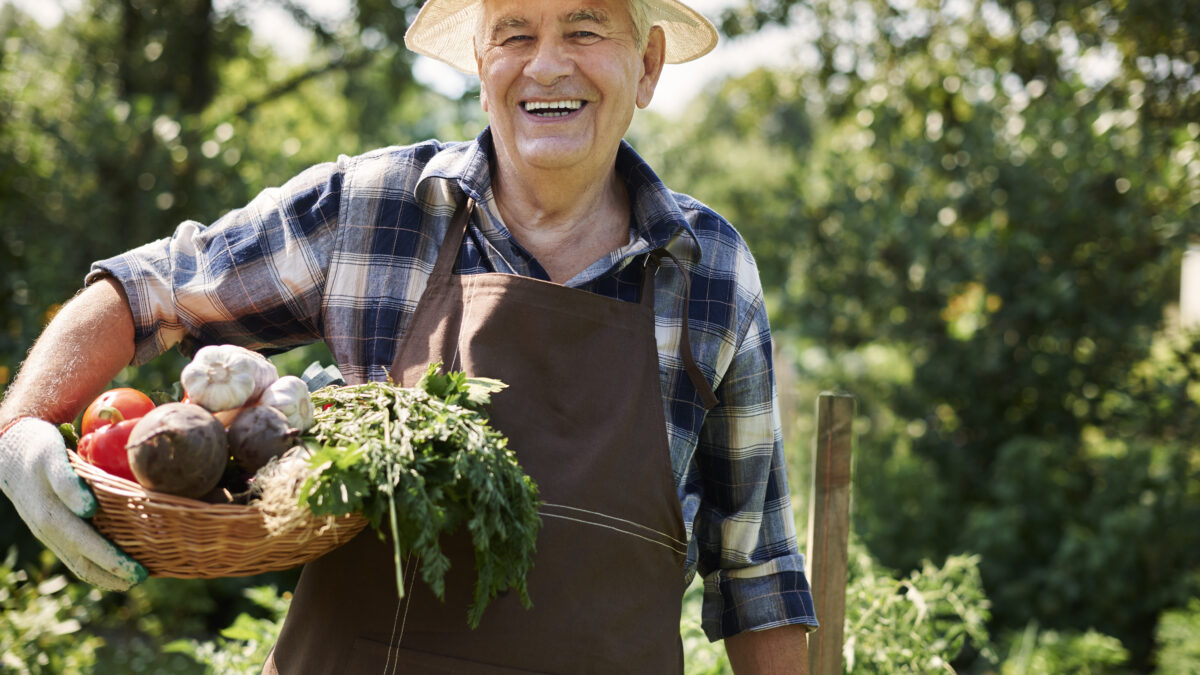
[581,76]
[585,25]
[506,26]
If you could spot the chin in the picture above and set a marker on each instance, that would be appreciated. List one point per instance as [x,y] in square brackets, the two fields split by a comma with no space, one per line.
[553,155]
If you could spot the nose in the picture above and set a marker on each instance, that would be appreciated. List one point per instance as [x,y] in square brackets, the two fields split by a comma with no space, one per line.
[549,62]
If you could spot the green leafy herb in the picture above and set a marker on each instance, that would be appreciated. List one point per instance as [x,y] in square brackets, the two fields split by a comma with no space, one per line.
[426,460]
[456,388]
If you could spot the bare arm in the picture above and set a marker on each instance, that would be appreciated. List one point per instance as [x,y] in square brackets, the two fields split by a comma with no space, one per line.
[776,651]
[87,343]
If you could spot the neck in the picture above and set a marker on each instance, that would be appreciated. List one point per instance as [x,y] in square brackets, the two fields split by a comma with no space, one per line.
[565,220]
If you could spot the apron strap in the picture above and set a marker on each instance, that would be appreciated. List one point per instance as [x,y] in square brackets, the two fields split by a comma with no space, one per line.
[452,242]
[707,397]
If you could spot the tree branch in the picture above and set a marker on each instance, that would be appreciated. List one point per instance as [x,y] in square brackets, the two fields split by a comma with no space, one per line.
[292,83]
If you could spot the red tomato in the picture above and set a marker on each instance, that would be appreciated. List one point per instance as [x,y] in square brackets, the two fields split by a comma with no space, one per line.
[113,406]
[105,448]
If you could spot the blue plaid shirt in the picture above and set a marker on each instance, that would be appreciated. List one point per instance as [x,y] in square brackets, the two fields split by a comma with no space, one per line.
[342,252]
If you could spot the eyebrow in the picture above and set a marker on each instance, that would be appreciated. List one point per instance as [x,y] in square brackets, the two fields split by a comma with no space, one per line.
[513,22]
[588,14]
[506,23]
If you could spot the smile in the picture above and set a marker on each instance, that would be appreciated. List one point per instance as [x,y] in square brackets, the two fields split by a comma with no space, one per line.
[553,108]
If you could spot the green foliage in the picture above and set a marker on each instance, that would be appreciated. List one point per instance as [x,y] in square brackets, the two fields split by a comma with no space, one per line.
[127,118]
[1113,511]
[242,647]
[51,623]
[1049,652]
[977,234]
[41,620]
[1178,648]
[919,623]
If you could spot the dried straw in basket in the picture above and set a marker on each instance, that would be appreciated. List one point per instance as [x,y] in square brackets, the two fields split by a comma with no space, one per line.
[190,539]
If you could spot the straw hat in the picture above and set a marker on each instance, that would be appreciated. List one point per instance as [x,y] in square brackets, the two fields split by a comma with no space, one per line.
[445,30]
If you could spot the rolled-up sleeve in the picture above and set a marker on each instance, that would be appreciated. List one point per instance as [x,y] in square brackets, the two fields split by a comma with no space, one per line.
[255,277]
[753,571]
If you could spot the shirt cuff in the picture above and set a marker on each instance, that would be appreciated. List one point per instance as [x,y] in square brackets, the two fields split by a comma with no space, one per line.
[143,274]
[757,598]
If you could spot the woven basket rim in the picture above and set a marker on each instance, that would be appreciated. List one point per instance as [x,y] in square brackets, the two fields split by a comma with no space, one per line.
[160,530]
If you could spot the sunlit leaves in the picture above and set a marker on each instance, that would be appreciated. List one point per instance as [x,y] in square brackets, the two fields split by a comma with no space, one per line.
[999,193]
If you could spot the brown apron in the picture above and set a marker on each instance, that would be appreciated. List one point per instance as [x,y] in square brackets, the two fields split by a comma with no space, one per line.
[584,414]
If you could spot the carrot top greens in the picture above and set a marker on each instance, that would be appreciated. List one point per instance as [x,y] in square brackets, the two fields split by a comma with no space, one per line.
[427,460]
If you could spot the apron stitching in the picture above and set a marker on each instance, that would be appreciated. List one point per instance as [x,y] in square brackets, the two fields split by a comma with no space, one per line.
[617,529]
[394,641]
[623,520]
[468,303]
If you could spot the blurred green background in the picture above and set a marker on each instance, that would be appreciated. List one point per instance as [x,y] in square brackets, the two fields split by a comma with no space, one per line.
[970,214]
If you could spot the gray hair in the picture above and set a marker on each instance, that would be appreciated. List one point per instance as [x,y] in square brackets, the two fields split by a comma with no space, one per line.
[639,12]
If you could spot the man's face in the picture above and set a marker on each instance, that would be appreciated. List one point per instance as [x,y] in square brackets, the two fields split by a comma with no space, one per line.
[560,79]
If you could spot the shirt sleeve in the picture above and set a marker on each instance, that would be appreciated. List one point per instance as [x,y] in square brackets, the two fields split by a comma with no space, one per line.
[255,277]
[753,571]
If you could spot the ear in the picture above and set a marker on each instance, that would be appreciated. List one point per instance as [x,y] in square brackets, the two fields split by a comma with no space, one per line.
[653,59]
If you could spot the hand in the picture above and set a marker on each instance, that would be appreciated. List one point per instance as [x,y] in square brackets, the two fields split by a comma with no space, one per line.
[53,500]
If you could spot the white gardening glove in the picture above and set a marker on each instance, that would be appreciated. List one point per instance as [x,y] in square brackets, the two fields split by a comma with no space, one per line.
[53,501]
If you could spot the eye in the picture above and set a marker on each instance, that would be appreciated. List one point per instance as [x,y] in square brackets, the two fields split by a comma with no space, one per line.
[585,36]
[512,39]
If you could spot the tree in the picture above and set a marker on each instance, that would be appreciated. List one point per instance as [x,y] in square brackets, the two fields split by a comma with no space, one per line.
[971,215]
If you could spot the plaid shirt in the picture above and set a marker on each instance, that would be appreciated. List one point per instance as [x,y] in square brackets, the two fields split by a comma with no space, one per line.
[342,252]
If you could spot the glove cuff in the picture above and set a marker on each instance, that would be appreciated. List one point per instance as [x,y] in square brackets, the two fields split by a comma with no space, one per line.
[13,422]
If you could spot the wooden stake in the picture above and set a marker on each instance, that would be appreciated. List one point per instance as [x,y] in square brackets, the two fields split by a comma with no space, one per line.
[829,529]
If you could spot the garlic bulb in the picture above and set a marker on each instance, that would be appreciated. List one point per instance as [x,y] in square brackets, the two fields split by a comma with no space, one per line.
[289,395]
[221,377]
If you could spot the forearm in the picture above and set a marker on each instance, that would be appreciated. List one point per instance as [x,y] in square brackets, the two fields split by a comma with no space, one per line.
[776,651]
[87,343]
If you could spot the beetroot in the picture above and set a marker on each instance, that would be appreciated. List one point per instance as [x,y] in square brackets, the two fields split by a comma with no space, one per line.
[178,448]
[259,434]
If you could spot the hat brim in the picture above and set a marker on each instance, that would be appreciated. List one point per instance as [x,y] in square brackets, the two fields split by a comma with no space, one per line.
[445,30]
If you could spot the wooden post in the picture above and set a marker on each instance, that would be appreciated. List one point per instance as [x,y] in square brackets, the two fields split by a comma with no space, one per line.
[829,528]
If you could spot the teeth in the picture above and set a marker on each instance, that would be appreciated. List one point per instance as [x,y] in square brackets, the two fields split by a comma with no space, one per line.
[556,106]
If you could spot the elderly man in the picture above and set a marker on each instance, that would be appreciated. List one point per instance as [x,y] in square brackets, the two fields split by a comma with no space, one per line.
[628,321]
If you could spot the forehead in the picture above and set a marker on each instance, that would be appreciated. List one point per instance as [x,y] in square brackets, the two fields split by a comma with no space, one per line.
[527,11]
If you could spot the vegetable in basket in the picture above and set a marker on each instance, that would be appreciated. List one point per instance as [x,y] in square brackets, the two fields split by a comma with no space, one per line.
[226,377]
[289,395]
[105,448]
[105,428]
[178,448]
[259,434]
[113,406]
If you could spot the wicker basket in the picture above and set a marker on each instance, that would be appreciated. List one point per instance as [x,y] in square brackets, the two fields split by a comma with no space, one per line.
[189,539]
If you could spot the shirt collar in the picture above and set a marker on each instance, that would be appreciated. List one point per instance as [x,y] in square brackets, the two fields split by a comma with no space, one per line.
[655,211]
